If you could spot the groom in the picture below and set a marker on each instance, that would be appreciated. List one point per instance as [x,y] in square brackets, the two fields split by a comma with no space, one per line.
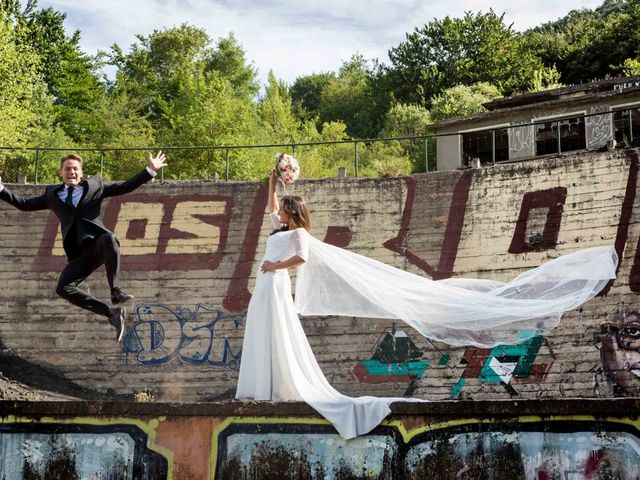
[86,241]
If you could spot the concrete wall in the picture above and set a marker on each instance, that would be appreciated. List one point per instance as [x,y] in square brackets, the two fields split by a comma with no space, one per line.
[190,250]
[449,148]
[535,439]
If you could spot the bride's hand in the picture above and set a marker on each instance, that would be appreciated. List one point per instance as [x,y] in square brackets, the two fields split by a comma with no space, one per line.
[272,176]
[268,266]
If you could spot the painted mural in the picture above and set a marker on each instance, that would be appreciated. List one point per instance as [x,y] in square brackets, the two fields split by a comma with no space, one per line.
[204,447]
[395,359]
[81,451]
[620,352]
[563,450]
[503,365]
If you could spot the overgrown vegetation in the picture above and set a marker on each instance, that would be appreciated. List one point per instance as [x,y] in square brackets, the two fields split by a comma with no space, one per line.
[180,87]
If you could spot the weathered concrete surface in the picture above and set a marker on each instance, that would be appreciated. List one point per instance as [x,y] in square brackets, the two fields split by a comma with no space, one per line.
[503,439]
[190,250]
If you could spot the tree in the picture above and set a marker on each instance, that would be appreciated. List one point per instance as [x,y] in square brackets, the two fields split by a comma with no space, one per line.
[463,100]
[276,115]
[192,95]
[587,44]
[476,48]
[20,85]
[348,98]
[25,105]
[403,120]
[545,79]
[228,59]
[306,93]
[631,66]
[70,76]
[158,64]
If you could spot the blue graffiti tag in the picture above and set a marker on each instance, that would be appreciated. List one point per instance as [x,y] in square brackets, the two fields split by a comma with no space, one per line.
[161,333]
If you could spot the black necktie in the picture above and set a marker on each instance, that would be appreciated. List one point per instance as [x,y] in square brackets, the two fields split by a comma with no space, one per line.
[69,199]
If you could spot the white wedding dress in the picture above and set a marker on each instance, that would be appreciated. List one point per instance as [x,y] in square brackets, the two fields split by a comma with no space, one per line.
[278,364]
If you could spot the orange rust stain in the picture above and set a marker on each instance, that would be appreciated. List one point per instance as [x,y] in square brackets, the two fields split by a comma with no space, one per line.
[189,439]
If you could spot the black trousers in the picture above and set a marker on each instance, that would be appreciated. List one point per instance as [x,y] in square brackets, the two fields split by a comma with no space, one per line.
[102,250]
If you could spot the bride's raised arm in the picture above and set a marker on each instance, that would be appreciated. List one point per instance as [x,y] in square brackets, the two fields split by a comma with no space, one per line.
[273,205]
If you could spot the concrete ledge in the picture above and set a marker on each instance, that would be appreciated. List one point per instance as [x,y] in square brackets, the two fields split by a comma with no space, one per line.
[627,407]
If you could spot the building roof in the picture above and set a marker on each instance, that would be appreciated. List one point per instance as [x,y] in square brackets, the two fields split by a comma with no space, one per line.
[573,94]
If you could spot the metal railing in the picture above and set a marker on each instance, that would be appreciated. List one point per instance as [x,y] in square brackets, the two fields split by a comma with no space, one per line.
[609,130]
[37,152]
[422,148]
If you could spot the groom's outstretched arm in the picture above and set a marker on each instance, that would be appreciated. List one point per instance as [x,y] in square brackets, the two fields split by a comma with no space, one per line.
[120,188]
[23,203]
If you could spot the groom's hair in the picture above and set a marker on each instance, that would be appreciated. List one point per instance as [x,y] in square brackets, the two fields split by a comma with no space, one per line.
[71,156]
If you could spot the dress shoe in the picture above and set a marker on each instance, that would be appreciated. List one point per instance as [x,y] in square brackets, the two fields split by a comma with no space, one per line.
[118,296]
[117,318]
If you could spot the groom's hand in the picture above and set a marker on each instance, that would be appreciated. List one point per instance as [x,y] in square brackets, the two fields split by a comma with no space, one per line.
[157,162]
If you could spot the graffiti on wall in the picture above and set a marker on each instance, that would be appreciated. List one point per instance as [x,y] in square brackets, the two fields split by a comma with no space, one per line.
[521,141]
[395,359]
[156,232]
[452,233]
[599,128]
[571,450]
[186,232]
[620,352]
[41,451]
[504,365]
[304,448]
[199,336]
[539,220]
[565,449]
[302,451]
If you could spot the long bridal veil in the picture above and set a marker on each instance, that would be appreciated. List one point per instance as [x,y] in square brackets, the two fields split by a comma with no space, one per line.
[476,312]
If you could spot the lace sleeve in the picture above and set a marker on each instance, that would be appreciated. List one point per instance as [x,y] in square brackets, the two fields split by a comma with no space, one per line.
[275,219]
[300,239]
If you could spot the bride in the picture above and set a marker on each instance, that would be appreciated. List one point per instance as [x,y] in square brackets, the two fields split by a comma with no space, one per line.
[278,364]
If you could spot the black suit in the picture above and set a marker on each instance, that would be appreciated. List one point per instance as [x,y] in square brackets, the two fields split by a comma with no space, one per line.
[87,242]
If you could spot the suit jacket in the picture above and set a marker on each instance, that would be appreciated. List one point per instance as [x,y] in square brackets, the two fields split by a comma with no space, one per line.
[84,220]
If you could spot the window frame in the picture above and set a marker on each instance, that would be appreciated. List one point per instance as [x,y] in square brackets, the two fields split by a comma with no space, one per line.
[577,114]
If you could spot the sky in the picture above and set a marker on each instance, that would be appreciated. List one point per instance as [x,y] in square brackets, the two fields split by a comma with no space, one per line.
[291,37]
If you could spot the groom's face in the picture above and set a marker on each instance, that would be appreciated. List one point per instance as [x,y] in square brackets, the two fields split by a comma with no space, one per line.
[71,172]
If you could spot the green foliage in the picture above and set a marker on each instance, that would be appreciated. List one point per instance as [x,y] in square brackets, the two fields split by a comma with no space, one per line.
[590,44]
[174,87]
[348,98]
[463,100]
[20,84]
[631,66]
[404,120]
[229,60]
[22,96]
[384,159]
[70,75]
[444,53]
[276,116]
[545,79]
[306,93]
